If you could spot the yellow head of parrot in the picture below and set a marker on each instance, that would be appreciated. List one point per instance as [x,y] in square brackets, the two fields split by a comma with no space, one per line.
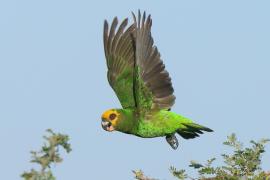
[109,119]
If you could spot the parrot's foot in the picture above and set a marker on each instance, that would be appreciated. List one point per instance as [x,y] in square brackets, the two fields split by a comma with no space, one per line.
[172,140]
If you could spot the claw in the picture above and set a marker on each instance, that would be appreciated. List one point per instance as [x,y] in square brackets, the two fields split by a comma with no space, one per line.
[172,140]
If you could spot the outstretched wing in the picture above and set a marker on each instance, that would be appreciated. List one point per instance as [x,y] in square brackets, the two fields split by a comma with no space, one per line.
[153,87]
[120,57]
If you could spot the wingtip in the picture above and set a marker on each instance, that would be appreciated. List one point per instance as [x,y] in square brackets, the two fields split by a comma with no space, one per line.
[115,20]
[209,130]
[141,18]
[105,22]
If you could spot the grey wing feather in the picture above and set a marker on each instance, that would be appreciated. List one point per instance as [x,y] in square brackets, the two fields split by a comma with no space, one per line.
[152,70]
[120,58]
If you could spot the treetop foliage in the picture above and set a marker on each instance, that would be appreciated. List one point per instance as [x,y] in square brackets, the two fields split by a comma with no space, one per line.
[243,164]
[48,155]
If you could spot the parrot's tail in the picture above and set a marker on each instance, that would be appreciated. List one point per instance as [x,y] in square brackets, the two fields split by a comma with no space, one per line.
[192,130]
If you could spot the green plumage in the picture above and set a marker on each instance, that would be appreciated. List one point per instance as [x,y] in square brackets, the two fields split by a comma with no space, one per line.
[137,75]
[158,124]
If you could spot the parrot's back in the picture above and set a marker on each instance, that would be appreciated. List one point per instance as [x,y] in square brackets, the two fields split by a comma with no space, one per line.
[160,124]
[164,123]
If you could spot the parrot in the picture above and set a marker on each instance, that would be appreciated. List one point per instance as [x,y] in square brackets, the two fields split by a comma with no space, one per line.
[140,81]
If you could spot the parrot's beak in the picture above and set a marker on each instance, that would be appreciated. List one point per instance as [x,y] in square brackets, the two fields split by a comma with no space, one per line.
[106,125]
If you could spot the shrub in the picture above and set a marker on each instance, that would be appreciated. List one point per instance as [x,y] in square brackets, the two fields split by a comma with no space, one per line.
[243,163]
[48,154]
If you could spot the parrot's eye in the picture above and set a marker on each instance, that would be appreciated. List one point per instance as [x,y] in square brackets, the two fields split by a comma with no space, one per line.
[112,116]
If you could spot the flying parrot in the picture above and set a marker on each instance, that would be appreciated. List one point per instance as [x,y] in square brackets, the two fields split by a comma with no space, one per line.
[138,77]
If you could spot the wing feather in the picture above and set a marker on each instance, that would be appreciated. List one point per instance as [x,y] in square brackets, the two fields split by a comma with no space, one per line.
[153,84]
[120,57]
[135,70]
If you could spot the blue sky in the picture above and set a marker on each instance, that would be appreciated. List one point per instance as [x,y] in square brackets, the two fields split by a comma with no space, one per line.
[53,75]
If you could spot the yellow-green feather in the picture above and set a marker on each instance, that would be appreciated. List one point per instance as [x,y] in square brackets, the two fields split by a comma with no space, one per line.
[158,124]
[123,89]
[161,123]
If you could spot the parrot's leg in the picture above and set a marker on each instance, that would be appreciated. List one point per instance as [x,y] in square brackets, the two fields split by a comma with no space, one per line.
[172,140]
